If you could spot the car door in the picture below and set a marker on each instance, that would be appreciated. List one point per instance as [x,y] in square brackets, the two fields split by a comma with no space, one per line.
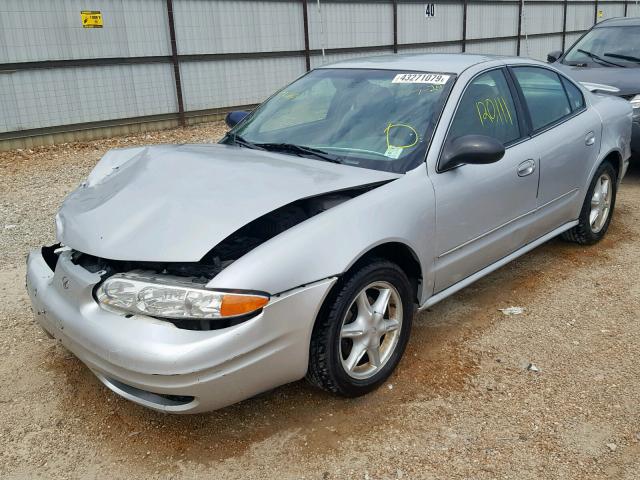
[567,137]
[483,212]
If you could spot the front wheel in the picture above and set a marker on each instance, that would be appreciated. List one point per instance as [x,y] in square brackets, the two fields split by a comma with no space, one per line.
[362,330]
[597,209]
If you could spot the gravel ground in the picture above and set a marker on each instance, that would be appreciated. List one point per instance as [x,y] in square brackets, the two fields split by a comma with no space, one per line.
[461,405]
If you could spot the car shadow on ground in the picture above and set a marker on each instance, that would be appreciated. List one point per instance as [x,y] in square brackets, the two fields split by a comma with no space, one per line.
[633,173]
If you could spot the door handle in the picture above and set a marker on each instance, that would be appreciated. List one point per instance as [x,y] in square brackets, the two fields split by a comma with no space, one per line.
[526,168]
[590,139]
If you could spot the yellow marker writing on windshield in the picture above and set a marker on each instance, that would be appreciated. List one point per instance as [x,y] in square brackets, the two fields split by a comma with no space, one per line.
[400,125]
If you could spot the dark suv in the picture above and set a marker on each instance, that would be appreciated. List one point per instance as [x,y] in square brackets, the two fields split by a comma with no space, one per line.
[606,59]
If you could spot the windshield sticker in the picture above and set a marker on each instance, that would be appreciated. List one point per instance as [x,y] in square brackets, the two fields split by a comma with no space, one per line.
[393,152]
[493,110]
[431,78]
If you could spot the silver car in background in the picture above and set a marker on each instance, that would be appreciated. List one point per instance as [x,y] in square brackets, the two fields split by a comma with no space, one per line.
[190,277]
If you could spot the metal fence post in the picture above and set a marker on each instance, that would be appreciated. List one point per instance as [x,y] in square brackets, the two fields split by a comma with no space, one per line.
[564,24]
[395,26]
[519,26]
[176,63]
[595,13]
[464,25]
[626,7]
[305,24]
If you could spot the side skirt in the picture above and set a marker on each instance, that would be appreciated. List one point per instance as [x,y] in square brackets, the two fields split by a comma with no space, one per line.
[494,266]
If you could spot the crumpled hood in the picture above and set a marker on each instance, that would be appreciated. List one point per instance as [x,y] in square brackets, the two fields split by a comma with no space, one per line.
[625,79]
[173,203]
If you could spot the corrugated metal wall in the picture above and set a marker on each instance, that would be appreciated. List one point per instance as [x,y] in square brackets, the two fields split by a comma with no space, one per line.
[37,31]
[227,27]
[56,75]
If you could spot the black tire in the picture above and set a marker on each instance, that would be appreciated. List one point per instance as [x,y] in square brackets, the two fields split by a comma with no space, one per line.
[583,233]
[326,368]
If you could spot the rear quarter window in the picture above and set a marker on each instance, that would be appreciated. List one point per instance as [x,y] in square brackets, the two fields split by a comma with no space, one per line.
[576,99]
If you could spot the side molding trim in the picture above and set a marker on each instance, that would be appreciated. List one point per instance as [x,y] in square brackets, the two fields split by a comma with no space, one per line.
[500,263]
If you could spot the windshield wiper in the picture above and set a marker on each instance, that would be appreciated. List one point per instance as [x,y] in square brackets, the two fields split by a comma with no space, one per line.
[238,140]
[300,150]
[623,57]
[599,58]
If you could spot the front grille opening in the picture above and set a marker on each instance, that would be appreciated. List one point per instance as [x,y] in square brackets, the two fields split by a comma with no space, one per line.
[157,398]
[105,267]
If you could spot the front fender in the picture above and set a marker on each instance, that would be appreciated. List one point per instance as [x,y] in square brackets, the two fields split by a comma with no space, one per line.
[328,244]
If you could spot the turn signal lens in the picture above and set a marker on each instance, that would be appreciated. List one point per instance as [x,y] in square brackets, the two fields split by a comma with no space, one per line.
[168,296]
[233,305]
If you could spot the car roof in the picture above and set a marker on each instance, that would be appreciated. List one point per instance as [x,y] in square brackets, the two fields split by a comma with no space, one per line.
[619,22]
[426,62]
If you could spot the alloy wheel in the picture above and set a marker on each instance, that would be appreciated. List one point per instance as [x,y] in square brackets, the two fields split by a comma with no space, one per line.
[600,203]
[370,330]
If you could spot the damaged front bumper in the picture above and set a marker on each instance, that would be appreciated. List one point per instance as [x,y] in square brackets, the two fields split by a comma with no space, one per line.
[154,363]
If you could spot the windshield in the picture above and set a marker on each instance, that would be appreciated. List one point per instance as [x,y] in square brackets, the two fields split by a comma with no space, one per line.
[378,119]
[607,47]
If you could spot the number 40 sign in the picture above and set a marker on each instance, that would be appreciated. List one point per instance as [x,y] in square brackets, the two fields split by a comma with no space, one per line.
[430,10]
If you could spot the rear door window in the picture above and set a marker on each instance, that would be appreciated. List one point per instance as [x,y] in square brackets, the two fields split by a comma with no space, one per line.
[544,94]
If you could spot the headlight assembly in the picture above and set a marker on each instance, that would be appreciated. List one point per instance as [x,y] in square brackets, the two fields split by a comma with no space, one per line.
[168,296]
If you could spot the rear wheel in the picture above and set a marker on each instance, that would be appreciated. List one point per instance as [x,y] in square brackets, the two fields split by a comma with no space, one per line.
[597,209]
[362,330]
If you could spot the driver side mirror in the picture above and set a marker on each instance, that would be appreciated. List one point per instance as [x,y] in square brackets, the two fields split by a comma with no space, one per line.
[553,57]
[234,118]
[471,149]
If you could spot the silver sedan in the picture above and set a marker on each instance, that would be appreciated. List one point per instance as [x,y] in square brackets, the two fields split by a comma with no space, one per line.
[190,277]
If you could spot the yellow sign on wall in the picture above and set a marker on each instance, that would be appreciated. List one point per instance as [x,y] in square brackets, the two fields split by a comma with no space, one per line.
[91,19]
